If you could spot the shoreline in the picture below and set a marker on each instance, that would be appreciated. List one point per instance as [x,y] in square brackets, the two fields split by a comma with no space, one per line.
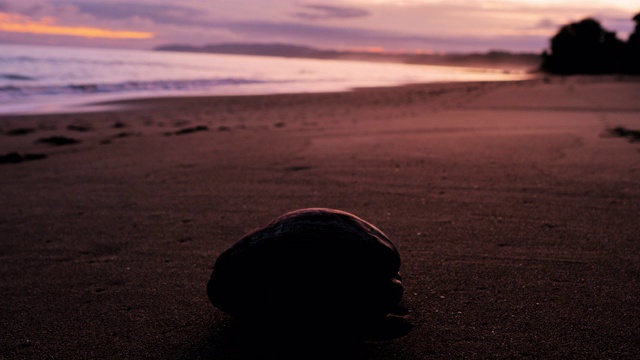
[76,103]
[513,210]
[117,102]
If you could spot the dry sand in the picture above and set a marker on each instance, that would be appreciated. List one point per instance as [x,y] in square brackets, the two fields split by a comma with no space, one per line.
[516,215]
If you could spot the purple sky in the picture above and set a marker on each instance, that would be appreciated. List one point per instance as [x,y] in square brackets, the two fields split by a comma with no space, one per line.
[401,25]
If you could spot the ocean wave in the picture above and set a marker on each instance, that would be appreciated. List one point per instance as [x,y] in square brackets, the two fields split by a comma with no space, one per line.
[13,91]
[16,77]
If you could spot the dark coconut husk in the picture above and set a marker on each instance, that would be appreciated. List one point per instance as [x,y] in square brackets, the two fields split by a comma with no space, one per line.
[309,266]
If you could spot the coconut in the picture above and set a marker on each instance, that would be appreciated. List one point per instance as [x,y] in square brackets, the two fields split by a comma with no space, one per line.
[309,266]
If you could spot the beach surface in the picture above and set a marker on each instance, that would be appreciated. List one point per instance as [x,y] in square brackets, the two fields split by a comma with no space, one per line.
[515,210]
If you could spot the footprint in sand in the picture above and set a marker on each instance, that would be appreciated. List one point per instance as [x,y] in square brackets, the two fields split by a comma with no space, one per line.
[79,128]
[632,135]
[20,131]
[188,130]
[15,158]
[120,135]
[58,141]
[298,168]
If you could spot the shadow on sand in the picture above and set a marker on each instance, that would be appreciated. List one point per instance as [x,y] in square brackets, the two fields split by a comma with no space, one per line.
[235,339]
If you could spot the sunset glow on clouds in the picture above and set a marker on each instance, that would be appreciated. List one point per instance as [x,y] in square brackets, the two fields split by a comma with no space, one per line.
[47,26]
[630,5]
[388,25]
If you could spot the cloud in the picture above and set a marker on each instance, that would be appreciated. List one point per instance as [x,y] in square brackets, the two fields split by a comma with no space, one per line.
[434,25]
[28,7]
[330,36]
[325,12]
[546,24]
[162,14]
[17,23]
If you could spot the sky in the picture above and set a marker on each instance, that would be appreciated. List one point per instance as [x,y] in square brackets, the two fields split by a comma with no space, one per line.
[422,26]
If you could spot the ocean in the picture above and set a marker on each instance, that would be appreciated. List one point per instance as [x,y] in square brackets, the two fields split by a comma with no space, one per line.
[45,79]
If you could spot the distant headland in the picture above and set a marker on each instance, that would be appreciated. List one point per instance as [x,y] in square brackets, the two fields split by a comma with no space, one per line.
[493,59]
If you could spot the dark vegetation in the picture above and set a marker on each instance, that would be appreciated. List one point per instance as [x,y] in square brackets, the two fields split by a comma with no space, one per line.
[585,47]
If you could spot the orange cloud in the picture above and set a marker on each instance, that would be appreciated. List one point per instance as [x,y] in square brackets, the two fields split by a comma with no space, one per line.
[46,26]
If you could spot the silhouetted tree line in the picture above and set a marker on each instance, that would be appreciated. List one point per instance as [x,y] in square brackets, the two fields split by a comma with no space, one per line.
[585,47]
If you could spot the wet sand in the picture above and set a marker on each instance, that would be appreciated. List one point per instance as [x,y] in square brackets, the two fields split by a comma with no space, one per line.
[514,208]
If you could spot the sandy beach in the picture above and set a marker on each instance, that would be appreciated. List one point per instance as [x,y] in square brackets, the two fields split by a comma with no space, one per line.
[516,213]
